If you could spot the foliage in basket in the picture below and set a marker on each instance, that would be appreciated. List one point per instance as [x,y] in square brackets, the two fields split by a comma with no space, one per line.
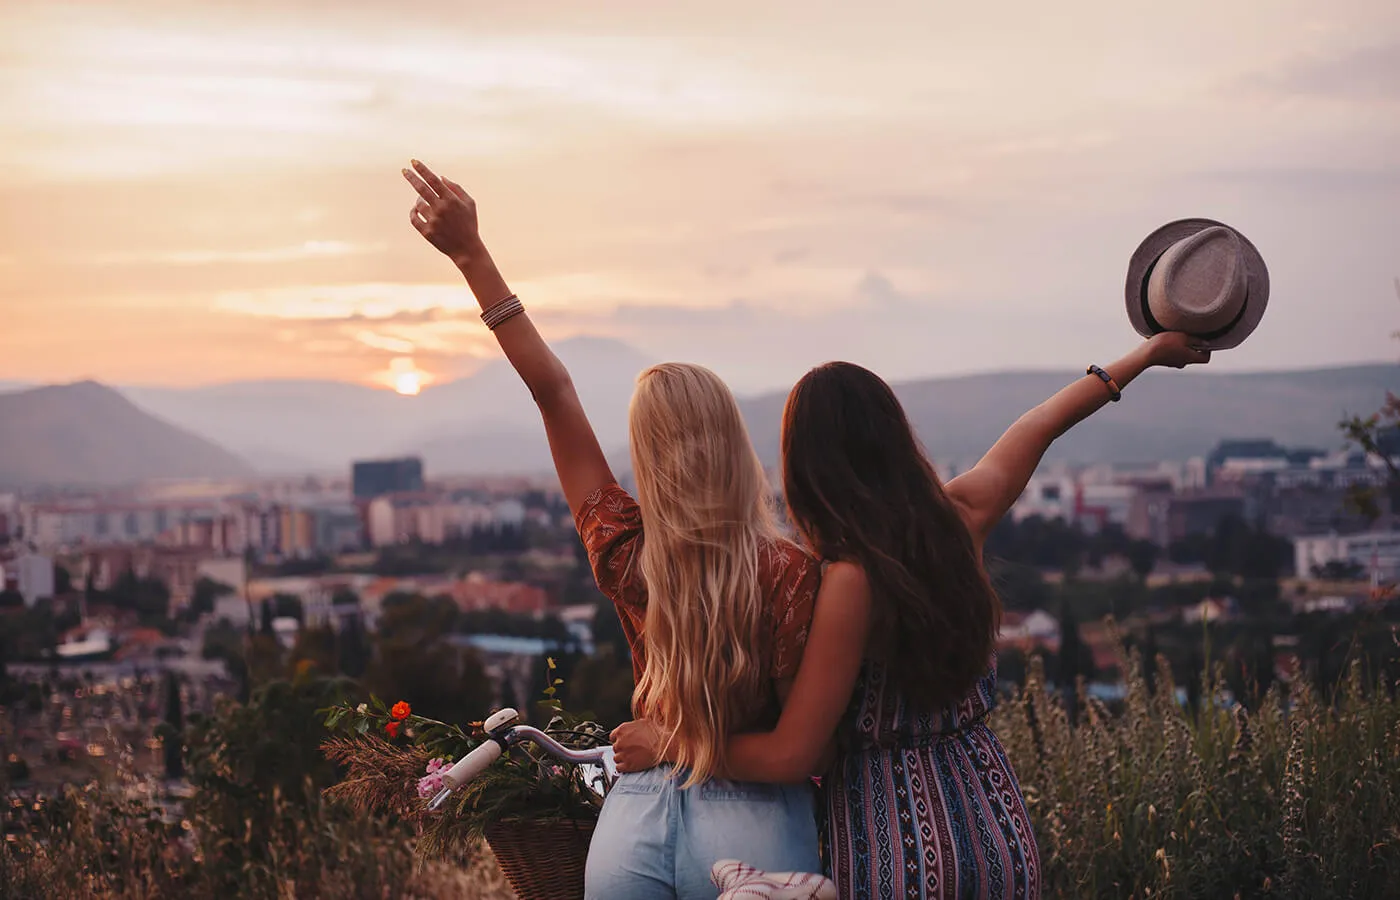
[395,760]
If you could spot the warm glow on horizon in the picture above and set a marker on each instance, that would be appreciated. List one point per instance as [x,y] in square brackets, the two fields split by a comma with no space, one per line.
[406,377]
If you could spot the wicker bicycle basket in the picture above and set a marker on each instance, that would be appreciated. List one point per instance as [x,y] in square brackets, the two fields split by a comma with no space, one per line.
[542,860]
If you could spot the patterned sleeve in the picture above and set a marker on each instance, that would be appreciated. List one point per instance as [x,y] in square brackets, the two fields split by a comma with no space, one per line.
[793,605]
[610,525]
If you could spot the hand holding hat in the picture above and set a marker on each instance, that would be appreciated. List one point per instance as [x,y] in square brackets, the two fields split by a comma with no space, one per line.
[1201,278]
[1176,350]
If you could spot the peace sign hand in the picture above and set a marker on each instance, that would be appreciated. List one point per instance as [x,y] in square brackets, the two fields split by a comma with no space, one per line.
[444,214]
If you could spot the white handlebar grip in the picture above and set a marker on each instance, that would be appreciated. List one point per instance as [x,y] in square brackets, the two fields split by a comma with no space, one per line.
[471,765]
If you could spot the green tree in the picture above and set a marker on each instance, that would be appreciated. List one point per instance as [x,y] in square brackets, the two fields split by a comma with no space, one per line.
[206,592]
[222,641]
[1142,556]
[345,597]
[263,656]
[607,631]
[414,661]
[1247,551]
[288,606]
[1076,659]
[353,650]
[62,581]
[30,633]
[149,598]
[1020,586]
[315,652]
[600,687]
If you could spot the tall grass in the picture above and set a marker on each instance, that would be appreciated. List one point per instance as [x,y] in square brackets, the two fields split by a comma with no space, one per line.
[254,823]
[1298,798]
[91,843]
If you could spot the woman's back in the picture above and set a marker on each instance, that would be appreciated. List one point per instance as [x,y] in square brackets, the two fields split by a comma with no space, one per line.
[657,837]
[610,525]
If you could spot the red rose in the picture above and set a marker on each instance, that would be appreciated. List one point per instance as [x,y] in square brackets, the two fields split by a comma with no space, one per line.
[393,729]
[401,710]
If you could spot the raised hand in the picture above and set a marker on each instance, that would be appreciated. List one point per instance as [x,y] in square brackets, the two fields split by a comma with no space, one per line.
[444,214]
[1175,350]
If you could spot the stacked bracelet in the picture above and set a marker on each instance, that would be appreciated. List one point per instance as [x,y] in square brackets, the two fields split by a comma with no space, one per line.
[500,312]
[1114,393]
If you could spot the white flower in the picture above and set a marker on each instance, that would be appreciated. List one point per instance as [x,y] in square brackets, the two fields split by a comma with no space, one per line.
[362,708]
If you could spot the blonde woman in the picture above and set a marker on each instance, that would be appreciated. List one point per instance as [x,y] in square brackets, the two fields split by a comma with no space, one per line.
[715,603]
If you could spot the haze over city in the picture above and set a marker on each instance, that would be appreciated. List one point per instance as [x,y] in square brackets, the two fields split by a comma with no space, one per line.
[195,194]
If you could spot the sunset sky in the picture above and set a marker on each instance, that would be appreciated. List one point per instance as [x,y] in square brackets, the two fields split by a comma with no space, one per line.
[194,193]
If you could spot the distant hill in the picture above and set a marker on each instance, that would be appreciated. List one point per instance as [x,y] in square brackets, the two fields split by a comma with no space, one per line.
[483,423]
[286,427]
[487,423]
[88,434]
[1163,414]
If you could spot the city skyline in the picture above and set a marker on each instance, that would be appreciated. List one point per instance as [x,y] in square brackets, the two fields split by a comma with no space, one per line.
[195,196]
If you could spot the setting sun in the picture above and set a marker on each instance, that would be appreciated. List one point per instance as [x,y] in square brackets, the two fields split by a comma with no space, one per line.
[407,383]
[405,377]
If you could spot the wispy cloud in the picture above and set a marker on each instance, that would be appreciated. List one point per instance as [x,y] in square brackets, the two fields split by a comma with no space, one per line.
[305,251]
[346,302]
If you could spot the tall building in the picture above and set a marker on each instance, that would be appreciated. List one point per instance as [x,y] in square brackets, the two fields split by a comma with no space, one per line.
[376,477]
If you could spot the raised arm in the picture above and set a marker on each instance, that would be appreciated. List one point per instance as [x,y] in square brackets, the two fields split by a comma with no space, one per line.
[446,216]
[812,709]
[986,491]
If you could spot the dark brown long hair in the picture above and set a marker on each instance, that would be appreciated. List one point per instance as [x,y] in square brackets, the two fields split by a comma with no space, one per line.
[860,488]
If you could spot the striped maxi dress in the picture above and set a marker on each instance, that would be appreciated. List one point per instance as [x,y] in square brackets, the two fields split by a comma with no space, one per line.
[926,804]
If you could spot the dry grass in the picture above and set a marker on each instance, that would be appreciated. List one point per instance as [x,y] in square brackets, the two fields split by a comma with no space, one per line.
[89,845]
[1300,798]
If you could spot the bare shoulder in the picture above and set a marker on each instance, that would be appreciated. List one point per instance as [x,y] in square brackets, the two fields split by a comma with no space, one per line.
[845,577]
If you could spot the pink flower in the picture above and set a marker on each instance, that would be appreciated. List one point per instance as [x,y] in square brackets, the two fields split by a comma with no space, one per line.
[430,785]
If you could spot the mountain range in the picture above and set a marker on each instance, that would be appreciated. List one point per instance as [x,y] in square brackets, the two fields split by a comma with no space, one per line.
[86,433]
[89,434]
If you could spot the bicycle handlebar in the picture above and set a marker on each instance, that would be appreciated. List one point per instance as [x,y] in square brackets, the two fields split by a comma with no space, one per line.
[502,733]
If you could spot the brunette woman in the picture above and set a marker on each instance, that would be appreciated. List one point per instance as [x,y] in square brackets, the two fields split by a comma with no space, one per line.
[900,667]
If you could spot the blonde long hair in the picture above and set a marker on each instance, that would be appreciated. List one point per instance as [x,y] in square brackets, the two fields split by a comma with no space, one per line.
[707,512]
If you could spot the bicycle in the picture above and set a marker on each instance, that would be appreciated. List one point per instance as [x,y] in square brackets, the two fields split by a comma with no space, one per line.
[733,878]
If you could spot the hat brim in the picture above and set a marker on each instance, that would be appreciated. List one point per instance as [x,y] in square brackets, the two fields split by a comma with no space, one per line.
[1156,243]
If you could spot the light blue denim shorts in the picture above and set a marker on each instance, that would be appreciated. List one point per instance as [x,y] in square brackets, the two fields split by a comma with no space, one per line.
[655,840]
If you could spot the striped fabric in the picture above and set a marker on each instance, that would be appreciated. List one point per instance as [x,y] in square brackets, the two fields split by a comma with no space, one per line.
[740,881]
[926,804]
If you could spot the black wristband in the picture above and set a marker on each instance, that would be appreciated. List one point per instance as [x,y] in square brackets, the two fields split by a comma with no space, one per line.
[1114,393]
